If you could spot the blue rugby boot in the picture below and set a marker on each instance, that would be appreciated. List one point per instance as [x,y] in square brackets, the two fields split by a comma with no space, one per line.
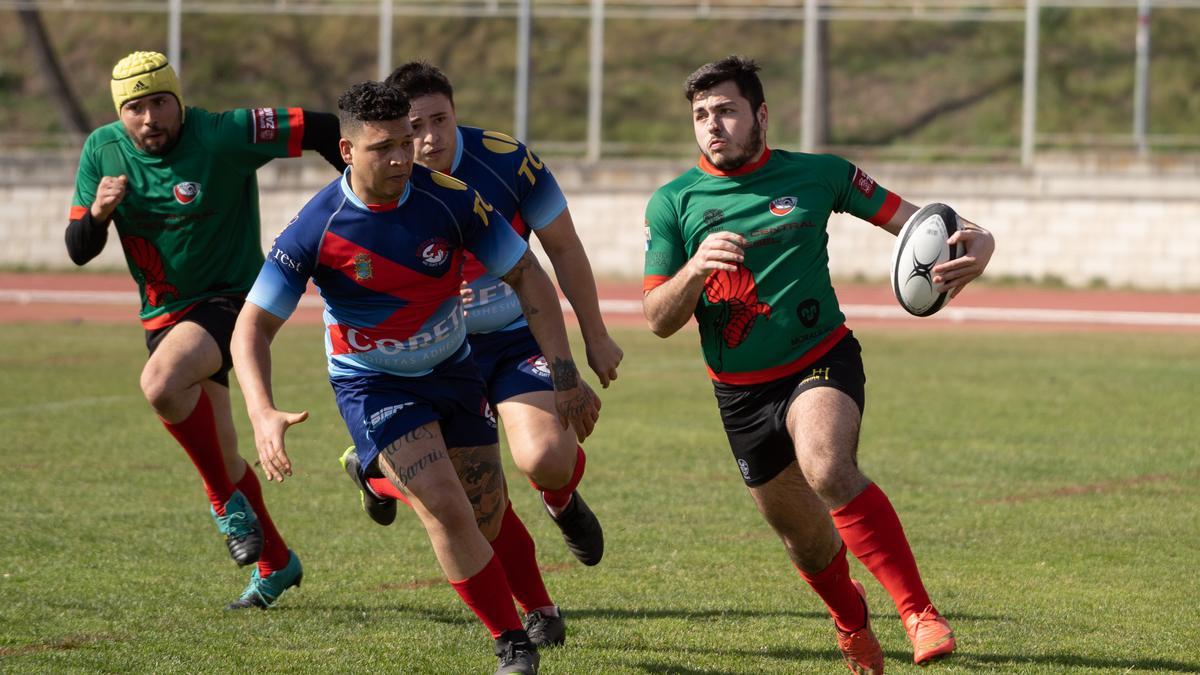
[264,591]
[381,509]
[243,533]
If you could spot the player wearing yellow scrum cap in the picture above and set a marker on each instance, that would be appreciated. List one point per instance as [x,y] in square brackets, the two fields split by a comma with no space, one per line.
[149,101]
[182,193]
[141,74]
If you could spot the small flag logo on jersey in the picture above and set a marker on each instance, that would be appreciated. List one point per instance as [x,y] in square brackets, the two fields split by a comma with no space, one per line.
[435,252]
[265,128]
[186,192]
[362,267]
[863,183]
[782,206]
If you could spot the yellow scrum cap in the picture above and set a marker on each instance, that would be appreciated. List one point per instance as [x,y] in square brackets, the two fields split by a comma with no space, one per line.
[141,74]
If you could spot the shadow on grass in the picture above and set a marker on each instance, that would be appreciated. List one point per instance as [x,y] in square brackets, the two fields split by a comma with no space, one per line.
[972,662]
[978,662]
[679,613]
[354,614]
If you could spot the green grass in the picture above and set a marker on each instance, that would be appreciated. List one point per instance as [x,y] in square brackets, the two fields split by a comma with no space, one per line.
[1049,484]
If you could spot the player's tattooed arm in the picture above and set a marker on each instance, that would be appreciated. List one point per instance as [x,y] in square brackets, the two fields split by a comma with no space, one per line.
[564,374]
[514,278]
[577,405]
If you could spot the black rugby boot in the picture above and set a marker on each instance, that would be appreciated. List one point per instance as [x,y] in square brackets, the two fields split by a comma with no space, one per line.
[581,530]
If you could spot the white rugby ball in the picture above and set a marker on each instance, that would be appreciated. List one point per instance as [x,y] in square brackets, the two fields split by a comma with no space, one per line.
[920,246]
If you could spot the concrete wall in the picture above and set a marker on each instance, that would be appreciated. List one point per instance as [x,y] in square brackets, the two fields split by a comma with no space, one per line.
[1131,224]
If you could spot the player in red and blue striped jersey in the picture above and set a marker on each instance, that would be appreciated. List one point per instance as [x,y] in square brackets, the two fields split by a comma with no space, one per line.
[519,184]
[384,245]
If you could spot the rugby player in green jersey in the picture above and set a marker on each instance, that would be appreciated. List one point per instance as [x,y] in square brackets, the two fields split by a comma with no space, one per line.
[740,243]
[178,184]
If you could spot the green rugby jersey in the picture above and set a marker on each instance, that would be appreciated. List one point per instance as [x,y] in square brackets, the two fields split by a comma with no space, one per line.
[189,222]
[778,312]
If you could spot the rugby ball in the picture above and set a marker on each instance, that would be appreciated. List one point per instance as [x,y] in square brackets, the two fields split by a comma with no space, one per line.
[920,246]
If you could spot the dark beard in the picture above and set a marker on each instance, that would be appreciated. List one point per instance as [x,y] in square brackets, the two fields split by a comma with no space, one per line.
[749,152]
[167,146]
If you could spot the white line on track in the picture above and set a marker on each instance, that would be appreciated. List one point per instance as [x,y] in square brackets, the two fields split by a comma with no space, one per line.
[634,307]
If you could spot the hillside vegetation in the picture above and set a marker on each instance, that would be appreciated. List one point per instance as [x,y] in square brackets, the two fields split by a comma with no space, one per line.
[910,84]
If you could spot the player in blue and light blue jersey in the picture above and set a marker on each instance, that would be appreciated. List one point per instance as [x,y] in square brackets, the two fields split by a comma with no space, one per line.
[520,186]
[384,244]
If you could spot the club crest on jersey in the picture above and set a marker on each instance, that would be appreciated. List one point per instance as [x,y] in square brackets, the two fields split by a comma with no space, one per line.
[782,206]
[186,192]
[863,183]
[362,267]
[435,252]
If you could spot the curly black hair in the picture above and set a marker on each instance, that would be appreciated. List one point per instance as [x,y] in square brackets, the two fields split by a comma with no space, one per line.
[737,69]
[421,78]
[371,101]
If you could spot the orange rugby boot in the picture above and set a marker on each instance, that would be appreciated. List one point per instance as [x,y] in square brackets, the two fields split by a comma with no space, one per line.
[860,650]
[930,634]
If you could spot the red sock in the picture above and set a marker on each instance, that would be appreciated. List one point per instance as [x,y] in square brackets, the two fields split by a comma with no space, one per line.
[840,596]
[562,496]
[872,531]
[515,549]
[488,595]
[198,436]
[275,554]
[384,488]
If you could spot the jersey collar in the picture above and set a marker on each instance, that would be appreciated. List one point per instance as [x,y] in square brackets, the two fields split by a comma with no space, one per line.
[707,166]
[458,151]
[348,192]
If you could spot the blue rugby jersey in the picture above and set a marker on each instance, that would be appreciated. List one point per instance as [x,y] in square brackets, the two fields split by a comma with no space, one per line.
[520,187]
[389,274]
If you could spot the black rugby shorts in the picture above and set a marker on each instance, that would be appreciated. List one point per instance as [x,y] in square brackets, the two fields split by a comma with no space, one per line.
[755,416]
[217,317]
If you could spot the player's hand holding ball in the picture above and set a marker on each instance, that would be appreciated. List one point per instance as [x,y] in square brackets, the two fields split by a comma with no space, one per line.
[977,246]
[937,253]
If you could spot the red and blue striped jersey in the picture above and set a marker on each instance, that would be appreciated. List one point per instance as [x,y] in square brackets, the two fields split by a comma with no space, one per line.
[519,186]
[389,274]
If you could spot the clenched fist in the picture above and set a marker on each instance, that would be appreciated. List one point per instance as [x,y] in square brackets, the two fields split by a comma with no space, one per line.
[109,193]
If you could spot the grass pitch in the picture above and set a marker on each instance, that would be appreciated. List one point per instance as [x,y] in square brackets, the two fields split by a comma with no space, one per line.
[1049,484]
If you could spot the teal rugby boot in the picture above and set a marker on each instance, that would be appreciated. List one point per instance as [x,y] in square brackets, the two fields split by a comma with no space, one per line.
[263,592]
[243,533]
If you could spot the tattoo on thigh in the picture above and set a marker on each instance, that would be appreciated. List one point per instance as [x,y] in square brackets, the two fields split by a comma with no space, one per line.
[418,434]
[408,473]
[482,478]
[564,374]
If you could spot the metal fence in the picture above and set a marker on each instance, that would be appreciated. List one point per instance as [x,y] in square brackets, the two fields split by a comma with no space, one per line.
[812,14]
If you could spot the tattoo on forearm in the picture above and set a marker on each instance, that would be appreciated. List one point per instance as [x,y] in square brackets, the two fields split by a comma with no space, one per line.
[564,374]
